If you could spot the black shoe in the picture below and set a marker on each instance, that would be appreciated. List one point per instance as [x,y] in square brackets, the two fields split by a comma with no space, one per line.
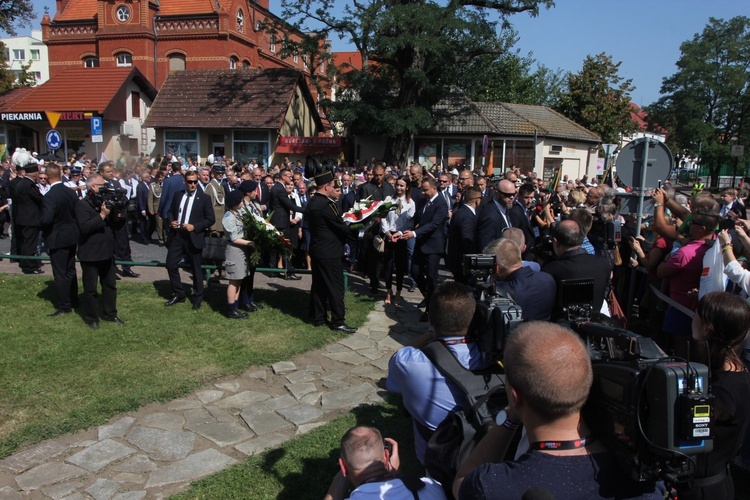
[235,314]
[423,303]
[251,307]
[58,312]
[174,300]
[161,243]
[256,305]
[197,306]
[424,318]
[94,325]
[318,325]
[412,287]
[116,321]
[344,328]
[292,277]
[129,273]
[34,271]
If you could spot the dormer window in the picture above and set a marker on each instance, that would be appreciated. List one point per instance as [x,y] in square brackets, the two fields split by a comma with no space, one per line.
[240,21]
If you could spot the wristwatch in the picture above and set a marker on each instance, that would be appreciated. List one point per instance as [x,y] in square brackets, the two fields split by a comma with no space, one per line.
[658,205]
[502,419]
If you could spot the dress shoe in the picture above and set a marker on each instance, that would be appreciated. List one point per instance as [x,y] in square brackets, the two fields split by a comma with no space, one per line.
[235,314]
[116,321]
[94,325]
[197,306]
[129,273]
[251,307]
[292,277]
[344,328]
[412,287]
[58,312]
[257,306]
[34,271]
[174,300]
[423,303]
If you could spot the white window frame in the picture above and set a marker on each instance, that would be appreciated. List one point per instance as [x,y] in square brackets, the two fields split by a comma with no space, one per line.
[94,62]
[37,53]
[233,62]
[127,60]
[19,55]
[272,45]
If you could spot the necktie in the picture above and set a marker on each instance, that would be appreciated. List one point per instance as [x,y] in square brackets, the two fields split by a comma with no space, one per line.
[185,209]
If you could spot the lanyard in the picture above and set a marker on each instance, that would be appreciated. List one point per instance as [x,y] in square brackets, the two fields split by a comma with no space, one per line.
[562,445]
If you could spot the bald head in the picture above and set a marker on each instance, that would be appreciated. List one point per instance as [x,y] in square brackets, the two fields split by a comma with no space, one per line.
[361,446]
[507,192]
[550,369]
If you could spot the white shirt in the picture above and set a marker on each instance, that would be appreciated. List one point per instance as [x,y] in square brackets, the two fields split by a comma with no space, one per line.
[186,207]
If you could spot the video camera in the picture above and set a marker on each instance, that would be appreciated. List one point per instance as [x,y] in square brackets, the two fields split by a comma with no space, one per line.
[114,198]
[604,233]
[652,411]
[497,314]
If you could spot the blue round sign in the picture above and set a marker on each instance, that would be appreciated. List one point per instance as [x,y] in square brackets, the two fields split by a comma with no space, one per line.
[54,139]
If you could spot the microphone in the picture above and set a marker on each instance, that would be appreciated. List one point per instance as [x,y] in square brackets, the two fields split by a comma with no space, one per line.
[537,493]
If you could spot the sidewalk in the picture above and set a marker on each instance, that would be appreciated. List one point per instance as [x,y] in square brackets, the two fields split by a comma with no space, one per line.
[158,450]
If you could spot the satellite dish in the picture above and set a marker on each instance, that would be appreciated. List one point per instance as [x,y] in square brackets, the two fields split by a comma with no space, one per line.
[630,163]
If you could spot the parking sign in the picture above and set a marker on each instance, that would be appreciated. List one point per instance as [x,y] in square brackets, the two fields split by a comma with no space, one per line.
[96,129]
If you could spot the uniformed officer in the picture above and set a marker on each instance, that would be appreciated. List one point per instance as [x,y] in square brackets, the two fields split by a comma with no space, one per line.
[328,233]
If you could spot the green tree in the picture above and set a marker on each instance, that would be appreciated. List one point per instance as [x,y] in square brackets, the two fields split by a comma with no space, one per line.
[413,52]
[7,79]
[14,13]
[705,105]
[598,98]
[25,78]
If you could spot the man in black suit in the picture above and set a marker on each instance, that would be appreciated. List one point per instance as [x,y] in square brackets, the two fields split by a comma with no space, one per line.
[462,232]
[189,218]
[96,248]
[60,231]
[27,209]
[141,194]
[173,186]
[495,216]
[573,262]
[281,207]
[520,217]
[328,233]
[429,235]
[118,219]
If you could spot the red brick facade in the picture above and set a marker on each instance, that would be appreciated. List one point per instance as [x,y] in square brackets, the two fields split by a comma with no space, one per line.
[187,34]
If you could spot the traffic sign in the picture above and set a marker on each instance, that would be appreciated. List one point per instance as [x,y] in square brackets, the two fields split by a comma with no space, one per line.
[54,139]
[96,129]
[630,163]
[738,150]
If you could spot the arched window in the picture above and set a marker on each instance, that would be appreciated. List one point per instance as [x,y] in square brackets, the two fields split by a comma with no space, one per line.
[233,62]
[240,21]
[124,60]
[176,62]
[91,62]
[245,64]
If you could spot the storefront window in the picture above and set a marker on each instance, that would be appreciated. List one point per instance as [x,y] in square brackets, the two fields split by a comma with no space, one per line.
[519,153]
[183,143]
[456,153]
[427,152]
[248,144]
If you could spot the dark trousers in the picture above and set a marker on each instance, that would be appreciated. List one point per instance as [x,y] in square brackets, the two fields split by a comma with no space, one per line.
[122,241]
[179,247]
[145,227]
[63,261]
[27,238]
[424,269]
[328,290]
[372,260]
[104,272]
[396,256]
[247,295]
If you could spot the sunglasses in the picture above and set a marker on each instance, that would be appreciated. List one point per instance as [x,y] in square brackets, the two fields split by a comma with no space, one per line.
[192,182]
[507,195]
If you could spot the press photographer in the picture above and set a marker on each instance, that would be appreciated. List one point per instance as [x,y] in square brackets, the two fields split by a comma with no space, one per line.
[96,253]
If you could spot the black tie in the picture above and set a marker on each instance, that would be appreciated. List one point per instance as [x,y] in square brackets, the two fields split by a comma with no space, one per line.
[185,209]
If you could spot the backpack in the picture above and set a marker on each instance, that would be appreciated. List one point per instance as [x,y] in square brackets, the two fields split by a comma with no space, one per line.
[457,436]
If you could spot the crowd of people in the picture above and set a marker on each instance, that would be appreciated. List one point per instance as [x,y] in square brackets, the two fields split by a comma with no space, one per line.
[542,234]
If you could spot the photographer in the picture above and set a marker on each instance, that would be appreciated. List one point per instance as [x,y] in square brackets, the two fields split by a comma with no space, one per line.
[118,218]
[548,377]
[95,251]
[370,465]
[533,291]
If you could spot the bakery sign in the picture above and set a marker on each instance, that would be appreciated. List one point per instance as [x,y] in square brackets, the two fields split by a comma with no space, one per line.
[53,117]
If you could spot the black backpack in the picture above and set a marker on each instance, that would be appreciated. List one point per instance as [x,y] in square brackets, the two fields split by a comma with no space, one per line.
[460,432]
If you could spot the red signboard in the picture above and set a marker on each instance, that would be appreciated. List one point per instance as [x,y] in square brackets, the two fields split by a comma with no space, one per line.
[309,145]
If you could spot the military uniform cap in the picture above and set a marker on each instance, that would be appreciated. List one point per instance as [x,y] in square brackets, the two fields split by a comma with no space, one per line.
[247,186]
[219,168]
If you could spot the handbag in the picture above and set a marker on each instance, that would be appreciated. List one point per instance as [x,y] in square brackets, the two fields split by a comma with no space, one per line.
[379,243]
[216,248]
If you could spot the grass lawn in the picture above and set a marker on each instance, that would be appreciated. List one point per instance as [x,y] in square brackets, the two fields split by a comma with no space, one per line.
[57,375]
[304,467]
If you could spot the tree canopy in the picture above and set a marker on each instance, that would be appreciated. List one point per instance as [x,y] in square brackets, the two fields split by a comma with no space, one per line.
[598,98]
[706,104]
[413,52]
[15,13]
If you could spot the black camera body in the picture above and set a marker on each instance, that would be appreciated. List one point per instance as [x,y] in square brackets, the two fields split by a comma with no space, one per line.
[113,197]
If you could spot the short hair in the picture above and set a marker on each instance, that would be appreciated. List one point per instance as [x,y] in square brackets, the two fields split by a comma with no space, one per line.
[515,235]
[472,193]
[191,173]
[379,166]
[578,196]
[568,233]
[430,180]
[361,446]
[452,307]
[52,170]
[582,217]
[507,253]
[550,368]
[105,164]
[526,188]
[730,191]
[704,201]
[91,179]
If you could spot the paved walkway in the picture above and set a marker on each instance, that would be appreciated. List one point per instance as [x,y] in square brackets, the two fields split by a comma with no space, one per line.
[158,450]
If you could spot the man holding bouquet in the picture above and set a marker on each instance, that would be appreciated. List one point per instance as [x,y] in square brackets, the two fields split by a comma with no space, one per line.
[328,233]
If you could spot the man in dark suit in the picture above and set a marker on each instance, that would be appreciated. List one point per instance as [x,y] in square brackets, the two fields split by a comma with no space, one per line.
[495,216]
[60,231]
[328,233]
[282,206]
[96,248]
[429,235]
[27,209]
[377,189]
[191,215]
[141,194]
[462,232]
[173,186]
[520,217]
[573,262]
[118,219]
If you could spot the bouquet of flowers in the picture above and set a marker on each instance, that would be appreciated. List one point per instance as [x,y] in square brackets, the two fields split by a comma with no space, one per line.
[266,237]
[366,212]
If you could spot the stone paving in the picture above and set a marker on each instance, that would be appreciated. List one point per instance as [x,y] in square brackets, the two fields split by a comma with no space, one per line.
[158,450]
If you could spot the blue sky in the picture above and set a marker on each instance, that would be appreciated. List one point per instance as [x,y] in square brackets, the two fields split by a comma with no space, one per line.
[644,35]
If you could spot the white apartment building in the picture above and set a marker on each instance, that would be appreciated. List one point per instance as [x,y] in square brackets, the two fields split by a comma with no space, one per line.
[22,49]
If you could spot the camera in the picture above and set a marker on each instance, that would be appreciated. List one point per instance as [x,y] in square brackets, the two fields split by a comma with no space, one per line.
[728,223]
[604,234]
[114,198]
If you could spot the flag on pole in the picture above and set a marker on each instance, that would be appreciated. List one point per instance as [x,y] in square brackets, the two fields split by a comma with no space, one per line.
[103,158]
[555,180]
[491,163]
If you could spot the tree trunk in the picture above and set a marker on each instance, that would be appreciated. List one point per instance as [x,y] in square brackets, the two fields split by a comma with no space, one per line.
[397,148]
[713,171]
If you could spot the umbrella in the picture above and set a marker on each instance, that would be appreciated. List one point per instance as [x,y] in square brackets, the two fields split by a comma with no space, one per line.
[50,157]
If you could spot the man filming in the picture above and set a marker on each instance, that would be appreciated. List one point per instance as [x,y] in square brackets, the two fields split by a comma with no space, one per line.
[548,377]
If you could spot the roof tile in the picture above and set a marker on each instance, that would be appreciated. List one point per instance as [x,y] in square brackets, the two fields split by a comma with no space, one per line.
[77,9]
